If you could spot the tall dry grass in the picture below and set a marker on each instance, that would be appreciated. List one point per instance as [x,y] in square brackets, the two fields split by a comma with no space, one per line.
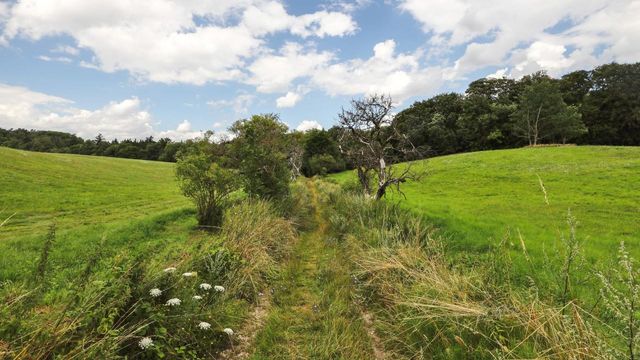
[107,309]
[428,306]
[255,233]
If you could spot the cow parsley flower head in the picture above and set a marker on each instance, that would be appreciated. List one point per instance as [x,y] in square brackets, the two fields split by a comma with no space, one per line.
[173,302]
[228,331]
[205,286]
[170,270]
[155,292]
[189,274]
[197,297]
[145,343]
[204,325]
[218,288]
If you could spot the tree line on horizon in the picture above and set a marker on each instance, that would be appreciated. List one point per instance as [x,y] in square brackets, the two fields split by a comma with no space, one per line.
[596,107]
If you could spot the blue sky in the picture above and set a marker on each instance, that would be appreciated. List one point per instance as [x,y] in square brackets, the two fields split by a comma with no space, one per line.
[129,68]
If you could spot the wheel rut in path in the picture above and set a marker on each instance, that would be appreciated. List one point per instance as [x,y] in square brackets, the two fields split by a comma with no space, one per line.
[312,315]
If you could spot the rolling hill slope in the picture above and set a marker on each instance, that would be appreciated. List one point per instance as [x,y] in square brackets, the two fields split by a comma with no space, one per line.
[480,197]
[83,195]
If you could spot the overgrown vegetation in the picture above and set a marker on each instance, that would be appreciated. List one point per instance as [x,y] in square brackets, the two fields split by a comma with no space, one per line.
[260,152]
[207,183]
[430,303]
[366,279]
[160,298]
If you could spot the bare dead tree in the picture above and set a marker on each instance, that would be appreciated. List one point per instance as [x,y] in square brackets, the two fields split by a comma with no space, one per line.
[371,141]
[296,153]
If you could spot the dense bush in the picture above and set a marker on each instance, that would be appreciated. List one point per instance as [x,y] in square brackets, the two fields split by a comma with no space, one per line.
[208,184]
[260,151]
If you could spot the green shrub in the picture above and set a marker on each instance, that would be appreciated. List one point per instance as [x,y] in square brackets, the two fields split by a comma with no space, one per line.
[208,185]
[260,150]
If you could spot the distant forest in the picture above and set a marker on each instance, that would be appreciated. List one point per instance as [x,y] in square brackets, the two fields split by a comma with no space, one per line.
[598,107]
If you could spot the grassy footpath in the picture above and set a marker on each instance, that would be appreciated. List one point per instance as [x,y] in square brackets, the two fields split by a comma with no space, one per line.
[312,314]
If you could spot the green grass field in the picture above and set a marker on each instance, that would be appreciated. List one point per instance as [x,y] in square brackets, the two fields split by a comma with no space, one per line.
[480,197]
[87,197]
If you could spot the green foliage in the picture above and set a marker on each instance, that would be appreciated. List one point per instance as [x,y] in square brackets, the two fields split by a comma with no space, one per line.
[492,113]
[621,295]
[59,142]
[432,125]
[207,184]
[542,115]
[323,164]
[321,154]
[611,110]
[260,152]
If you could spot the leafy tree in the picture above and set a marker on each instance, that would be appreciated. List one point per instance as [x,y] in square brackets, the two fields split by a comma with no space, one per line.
[170,152]
[207,184]
[260,150]
[486,124]
[611,110]
[432,125]
[543,115]
[575,86]
[319,145]
[323,164]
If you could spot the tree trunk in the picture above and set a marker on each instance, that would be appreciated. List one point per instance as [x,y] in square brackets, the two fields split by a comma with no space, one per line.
[382,190]
[364,181]
[536,127]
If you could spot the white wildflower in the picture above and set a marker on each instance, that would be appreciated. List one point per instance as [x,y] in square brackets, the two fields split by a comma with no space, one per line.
[173,302]
[218,288]
[197,297]
[204,325]
[228,331]
[155,292]
[205,286]
[170,270]
[189,274]
[145,343]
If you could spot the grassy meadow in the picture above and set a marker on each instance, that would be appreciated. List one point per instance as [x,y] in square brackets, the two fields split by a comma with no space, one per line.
[86,197]
[479,198]
[330,275]
[126,246]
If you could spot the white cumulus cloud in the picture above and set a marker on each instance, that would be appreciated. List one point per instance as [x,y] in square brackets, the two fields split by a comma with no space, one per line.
[240,104]
[276,72]
[290,99]
[530,35]
[161,40]
[24,108]
[386,72]
[307,125]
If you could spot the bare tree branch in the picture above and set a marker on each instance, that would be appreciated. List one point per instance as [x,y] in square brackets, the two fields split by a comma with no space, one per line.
[372,143]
